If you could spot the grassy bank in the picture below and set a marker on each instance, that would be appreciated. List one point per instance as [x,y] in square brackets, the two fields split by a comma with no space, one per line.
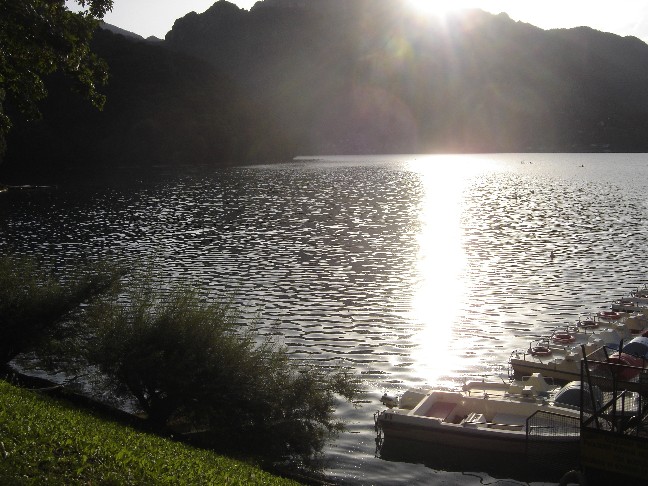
[48,441]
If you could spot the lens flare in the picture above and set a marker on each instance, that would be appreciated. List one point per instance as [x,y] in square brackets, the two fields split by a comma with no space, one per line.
[439,8]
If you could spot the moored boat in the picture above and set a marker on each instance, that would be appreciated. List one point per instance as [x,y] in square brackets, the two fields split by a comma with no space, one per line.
[641,292]
[488,416]
[630,304]
[558,356]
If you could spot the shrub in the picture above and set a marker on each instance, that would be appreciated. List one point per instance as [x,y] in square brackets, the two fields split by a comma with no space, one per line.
[34,303]
[185,358]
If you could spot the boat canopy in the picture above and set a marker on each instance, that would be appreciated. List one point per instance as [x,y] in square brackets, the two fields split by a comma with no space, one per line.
[570,396]
[637,347]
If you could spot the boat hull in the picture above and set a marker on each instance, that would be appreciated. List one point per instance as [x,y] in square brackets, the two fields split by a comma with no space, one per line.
[477,439]
[523,367]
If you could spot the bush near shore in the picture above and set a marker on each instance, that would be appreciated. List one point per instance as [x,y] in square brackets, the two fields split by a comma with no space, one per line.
[48,441]
[186,358]
[35,303]
[189,362]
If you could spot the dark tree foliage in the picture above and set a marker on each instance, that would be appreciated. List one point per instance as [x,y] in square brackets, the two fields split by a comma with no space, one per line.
[187,359]
[34,303]
[162,109]
[40,37]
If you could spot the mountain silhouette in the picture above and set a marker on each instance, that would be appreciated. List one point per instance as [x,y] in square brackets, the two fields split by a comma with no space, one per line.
[374,76]
[118,30]
[297,77]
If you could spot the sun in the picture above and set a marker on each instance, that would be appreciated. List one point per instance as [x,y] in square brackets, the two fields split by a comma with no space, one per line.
[439,8]
[433,7]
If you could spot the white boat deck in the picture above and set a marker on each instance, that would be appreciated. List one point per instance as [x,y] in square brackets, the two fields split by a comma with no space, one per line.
[482,415]
[560,358]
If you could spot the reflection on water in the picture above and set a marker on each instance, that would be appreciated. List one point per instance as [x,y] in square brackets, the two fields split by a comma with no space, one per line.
[441,262]
[406,269]
[470,465]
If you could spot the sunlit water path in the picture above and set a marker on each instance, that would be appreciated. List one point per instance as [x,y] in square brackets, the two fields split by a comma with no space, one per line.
[408,270]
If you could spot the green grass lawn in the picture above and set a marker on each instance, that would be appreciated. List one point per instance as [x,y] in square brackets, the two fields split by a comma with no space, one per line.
[49,441]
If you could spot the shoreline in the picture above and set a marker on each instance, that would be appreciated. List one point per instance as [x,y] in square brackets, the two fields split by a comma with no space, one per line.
[81,401]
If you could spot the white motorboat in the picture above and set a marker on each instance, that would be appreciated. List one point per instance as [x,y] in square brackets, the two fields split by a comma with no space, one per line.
[488,416]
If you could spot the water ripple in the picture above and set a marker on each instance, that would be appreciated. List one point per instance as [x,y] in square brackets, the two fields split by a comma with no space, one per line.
[350,261]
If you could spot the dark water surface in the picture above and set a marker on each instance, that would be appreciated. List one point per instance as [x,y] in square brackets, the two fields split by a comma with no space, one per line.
[409,270]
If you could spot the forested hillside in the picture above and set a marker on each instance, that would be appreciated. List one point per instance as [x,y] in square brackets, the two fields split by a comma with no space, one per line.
[163,108]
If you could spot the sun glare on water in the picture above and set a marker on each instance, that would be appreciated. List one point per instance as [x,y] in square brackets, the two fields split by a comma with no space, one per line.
[439,295]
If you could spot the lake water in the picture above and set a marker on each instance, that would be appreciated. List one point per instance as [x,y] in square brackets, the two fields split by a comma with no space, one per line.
[408,270]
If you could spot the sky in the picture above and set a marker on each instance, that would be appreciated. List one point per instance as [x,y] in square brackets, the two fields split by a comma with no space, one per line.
[622,17]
